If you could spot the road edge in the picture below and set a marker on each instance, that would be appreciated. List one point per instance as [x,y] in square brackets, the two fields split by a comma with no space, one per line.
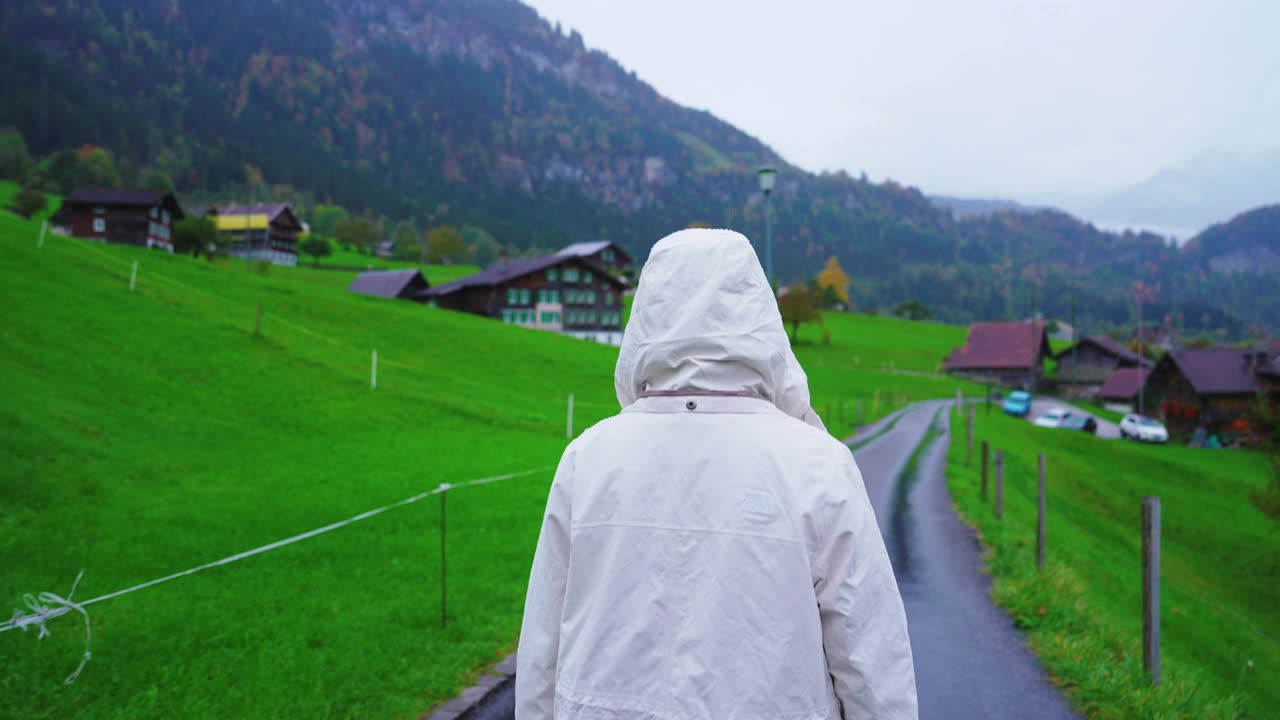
[494,681]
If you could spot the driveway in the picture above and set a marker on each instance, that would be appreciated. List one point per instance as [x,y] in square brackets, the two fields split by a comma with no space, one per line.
[1041,405]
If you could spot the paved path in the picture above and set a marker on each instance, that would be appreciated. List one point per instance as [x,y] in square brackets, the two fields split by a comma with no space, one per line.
[970,660]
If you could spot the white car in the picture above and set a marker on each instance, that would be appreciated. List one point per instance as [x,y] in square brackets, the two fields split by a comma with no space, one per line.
[1141,427]
[1052,419]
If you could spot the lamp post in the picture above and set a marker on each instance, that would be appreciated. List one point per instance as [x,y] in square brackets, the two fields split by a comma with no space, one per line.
[767,174]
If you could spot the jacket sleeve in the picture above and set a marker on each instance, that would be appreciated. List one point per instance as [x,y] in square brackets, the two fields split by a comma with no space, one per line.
[864,626]
[540,632]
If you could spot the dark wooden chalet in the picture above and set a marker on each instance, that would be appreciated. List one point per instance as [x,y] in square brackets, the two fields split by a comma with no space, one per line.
[604,253]
[1086,365]
[562,293]
[400,284]
[1010,353]
[1212,387]
[259,232]
[128,217]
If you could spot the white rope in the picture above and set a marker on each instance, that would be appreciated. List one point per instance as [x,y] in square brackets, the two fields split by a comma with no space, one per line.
[46,606]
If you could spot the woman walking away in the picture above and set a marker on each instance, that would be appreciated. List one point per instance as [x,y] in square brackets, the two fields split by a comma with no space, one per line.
[710,552]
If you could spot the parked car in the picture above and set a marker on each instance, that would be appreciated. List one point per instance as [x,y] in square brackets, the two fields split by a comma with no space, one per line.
[1018,403]
[1052,419]
[1141,427]
[1080,423]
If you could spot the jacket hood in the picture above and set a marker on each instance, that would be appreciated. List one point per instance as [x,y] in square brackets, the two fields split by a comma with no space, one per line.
[704,318]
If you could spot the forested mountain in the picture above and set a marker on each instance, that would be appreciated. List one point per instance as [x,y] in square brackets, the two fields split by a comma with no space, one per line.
[478,112]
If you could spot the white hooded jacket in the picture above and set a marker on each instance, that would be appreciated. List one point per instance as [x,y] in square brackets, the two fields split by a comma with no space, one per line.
[703,554]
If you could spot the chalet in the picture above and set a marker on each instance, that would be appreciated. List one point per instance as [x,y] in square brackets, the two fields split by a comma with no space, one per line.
[1010,353]
[259,232]
[1212,387]
[399,284]
[129,217]
[567,294]
[605,253]
[1088,364]
[1120,391]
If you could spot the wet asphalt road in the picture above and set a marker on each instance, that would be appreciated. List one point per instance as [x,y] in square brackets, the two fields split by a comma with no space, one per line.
[969,658]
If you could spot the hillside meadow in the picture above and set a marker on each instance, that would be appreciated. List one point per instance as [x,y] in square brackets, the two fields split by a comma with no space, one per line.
[1220,568]
[151,431]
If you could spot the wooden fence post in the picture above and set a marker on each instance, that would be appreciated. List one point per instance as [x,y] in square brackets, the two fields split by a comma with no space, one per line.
[999,484]
[444,615]
[133,276]
[959,402]
[568,430]
[1040,520]
[986,452]
[373,371]
[1151,588]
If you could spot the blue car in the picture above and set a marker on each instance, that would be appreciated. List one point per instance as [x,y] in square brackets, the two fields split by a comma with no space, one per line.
[1018,403]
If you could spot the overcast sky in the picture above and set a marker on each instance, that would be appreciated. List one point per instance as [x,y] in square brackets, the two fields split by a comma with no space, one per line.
[1030,99]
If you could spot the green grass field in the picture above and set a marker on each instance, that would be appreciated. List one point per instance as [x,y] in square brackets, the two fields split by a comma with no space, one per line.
[1221,569]
[147,432]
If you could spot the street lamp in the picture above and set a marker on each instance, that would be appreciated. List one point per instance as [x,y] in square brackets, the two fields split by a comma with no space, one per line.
[767,174]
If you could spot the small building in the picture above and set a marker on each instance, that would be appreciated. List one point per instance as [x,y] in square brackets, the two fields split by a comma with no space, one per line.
[259,232]
[1155,336]
[1008,353]
[604,253]
[1085,366]
[1211,387]
[117,215]
[399,284]
[567,294]
[1120,391]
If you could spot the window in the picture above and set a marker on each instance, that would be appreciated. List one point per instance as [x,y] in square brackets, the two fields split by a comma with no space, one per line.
[553,274]
[164,217]
[571,274]
[506,316]
[155,213]
[586,276]
[99,225]
[607,255]
[554,295]
[99,210]
[524,296]
[513,296]
[608,297]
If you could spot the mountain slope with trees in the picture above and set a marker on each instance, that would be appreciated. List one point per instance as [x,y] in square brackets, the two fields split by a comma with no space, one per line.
[483,115]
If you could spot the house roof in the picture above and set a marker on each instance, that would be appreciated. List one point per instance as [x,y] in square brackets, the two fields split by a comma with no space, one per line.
[1220,370]
[992,346]
[270,211]
[591,248]
[385,283]
[129,197]
[1123,383]
[1111,347]
[505,271]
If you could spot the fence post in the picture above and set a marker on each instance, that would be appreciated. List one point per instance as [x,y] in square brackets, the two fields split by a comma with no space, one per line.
[999,484]
[986,452]
[1040,519]
[43,227]
[444,615]
[373,372]
[959,402]
[568,430]
[1151,588]
[133,276]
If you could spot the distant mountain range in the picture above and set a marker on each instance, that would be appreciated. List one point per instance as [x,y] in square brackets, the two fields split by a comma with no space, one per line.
[479,112]
[1182,200]
[977,207]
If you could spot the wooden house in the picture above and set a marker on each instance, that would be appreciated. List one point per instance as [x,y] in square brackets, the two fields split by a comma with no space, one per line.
[259,232]
[1120,391]
[399,284]
[1085,366]
[1212,387]
[1009,353]
[604,253]
[128,217]
[567,294]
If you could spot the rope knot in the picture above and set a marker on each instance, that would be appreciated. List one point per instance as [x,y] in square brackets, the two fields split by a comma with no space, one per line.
[45,607]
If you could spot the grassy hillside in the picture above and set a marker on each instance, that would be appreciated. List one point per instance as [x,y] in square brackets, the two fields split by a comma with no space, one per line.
[1220,569]
[149,432]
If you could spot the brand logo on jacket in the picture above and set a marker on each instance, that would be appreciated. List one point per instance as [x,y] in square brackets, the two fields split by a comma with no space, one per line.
[758,506]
